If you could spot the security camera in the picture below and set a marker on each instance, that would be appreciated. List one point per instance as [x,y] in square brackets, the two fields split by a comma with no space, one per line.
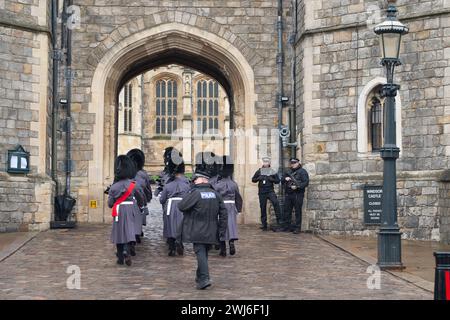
[285,132]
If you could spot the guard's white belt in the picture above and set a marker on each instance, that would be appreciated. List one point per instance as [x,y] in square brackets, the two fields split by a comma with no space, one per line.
[169,205]
[126,202]
[121,204]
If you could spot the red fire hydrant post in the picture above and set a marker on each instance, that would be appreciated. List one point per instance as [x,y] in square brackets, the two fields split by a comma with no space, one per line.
[442,276]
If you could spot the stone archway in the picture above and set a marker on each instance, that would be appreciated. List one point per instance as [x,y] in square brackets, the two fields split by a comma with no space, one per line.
[129,54]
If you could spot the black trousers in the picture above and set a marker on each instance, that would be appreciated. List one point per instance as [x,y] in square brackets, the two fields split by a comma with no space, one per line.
[272,197]
[293,201]
[201,251]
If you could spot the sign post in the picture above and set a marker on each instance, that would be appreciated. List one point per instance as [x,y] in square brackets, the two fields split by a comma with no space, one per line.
[373,196]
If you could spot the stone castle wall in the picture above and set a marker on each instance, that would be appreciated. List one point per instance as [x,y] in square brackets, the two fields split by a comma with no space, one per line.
[248,25]
[337,58]
[25,74]
[340,56]
[444,207]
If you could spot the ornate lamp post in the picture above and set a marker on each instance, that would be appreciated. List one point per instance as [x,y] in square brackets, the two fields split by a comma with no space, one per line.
[389,236]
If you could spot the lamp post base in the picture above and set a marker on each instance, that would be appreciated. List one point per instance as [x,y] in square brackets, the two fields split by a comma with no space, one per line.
[389,249]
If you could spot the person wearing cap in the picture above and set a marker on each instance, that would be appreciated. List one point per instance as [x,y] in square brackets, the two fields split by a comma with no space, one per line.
[204,222]
[266,178]
[295,182]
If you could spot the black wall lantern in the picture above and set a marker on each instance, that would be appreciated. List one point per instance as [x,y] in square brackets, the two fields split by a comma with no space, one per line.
[18,160]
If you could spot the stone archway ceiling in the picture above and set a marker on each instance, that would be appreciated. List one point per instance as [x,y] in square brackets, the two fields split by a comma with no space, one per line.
[180,57]
[183,49]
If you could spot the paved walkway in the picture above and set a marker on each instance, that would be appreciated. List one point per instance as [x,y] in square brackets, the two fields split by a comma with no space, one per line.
[12,241]
[417,256]
[267,266]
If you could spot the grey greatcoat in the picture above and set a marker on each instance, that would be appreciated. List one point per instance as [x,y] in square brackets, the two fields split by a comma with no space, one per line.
[171,195]
[123,230]
[229,191]
[143,181]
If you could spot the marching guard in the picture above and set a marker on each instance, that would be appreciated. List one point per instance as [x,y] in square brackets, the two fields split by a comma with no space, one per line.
[125,199]
[229,190]
[143,182]
[174,190]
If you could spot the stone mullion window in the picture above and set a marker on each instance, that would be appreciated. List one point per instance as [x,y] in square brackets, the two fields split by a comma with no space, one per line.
[207,111]
[166,106]
[128,108]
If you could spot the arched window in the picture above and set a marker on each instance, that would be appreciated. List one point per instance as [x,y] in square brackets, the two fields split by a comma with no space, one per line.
[376,124]
[128,108]
[371,119]
[166,106]
[375,117]
[207,107]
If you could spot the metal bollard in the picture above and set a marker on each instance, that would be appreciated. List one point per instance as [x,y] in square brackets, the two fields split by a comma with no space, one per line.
[442,276]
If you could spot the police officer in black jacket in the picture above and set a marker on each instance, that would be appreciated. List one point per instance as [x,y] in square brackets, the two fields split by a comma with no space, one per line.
[204,222]
[295,182]
[266,178]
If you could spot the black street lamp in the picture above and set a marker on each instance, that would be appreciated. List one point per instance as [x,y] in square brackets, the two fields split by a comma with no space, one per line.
[389,236]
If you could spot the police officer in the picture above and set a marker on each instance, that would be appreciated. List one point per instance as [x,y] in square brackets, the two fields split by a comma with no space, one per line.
[266,178]
[204,222]
[295,182]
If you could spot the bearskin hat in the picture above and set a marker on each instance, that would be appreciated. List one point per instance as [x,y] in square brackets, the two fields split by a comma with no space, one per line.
[124,168]
[138,157]
[227,167]
[173,161]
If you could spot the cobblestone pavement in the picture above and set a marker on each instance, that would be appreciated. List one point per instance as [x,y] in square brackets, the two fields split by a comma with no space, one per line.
[267,266]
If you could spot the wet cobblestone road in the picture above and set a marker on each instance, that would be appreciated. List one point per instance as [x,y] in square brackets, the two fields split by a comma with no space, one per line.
[267,266]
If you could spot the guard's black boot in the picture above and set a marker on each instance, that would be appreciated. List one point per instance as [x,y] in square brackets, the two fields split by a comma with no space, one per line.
[138,238]
[232,248]
[126,256]
[180,248]
[119,254]
[132,249]
[263,227]
[223,249]
[172,247]
[216,247]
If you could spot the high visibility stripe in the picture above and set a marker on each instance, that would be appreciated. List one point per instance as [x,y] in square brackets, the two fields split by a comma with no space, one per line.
[447,285]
